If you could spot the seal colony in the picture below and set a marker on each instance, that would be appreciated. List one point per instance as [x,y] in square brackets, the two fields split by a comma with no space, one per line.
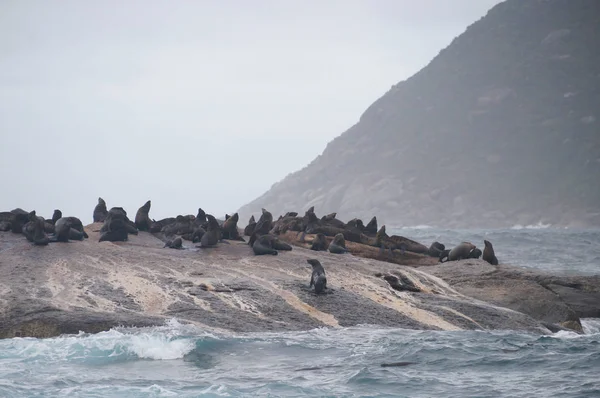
[64,277]
[266,236]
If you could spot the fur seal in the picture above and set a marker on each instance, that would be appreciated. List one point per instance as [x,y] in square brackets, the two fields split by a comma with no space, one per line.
[330,219]
[263,245]
[263,226]
[319,242]
[371,227]
[488,253]
[460,251]
[201,219]
[100,211]
[174,244]
[68,228]
[475,253]
[142,217]
[157,226]
[116,231]
[183,225]
[436,249]
[444,255]
[57,215]
[318,278]
[338,245]
[230,229]
[401,283]
[213,233]
[250,227]
[35,231]
[117,226]
[19,219]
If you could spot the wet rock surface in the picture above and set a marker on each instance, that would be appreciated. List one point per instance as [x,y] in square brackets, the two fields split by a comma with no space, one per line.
[92,286]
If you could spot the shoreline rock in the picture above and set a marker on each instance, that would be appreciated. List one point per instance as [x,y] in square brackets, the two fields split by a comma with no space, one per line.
[91,286]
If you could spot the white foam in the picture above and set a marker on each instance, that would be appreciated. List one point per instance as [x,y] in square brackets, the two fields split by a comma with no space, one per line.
[539,225]
[591,325]
[171,341]
[158,346]
[423,226]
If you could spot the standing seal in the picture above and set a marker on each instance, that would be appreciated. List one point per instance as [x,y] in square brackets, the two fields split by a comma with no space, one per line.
[230,230]
[100,211]
[250,227]
[338,245]
[371,228]
[142,217]
[488,253]
[57,215]
[213,232]
[318,278]
[263,226]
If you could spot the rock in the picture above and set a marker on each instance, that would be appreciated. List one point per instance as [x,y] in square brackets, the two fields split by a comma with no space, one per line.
[93,286]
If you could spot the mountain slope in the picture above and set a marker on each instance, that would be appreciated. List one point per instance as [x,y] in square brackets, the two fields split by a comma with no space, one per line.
[502,127]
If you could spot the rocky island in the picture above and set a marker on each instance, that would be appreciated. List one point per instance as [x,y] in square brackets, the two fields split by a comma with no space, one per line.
[90,285]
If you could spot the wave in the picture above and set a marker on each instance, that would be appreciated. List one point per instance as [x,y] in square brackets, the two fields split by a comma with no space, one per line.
[539,225]
[171,341]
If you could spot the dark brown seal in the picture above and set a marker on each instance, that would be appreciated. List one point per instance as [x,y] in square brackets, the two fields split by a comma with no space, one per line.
[142,217]
[317,278]
[488,253]
[319,242]
[100,211]
[338,245]
[230,229]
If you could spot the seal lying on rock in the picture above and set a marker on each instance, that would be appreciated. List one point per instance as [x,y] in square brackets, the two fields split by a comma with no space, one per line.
[475,253]
[338,245]
[436,249]
[401,283]
[460,251]
[20,218]
[319,242]
[142,217]
[318,278]
[158,226]
[100,211]
[269,244]
[488,253]
[35,230]
[13,220]
[176,243]
[68,228]
[117,226]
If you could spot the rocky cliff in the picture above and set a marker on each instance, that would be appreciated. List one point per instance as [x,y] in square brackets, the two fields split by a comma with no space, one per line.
[500,128]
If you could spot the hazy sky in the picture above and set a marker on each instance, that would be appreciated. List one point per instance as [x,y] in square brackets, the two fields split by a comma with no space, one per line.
[193,103]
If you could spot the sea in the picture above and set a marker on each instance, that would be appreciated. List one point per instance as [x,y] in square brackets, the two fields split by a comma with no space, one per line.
[178,360]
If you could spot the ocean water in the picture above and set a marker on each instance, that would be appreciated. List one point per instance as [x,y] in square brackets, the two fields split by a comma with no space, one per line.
[176,360]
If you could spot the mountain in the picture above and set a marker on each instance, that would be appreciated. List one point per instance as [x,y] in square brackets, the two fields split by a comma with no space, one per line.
[502,127]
